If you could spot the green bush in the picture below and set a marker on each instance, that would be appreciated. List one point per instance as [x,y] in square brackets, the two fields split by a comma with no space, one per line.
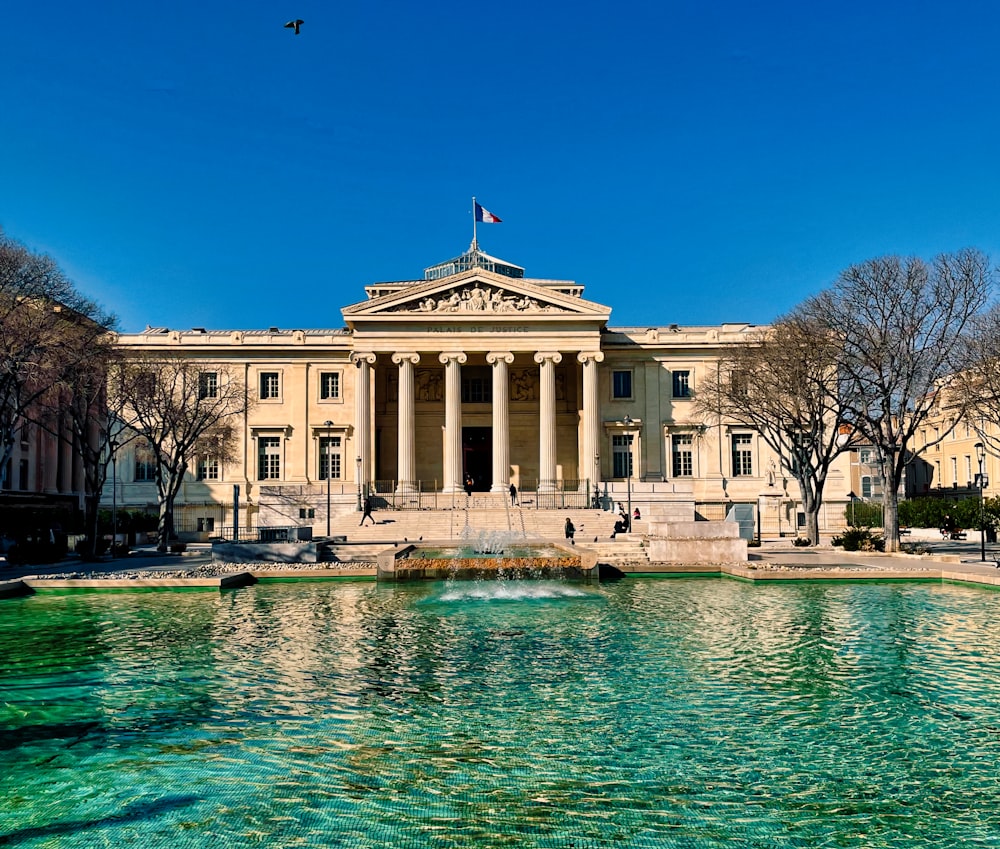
[860,539]
[800,542]
[927,512]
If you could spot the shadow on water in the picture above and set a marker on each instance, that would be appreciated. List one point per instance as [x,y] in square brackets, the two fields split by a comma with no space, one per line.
[11,738]
[130,813]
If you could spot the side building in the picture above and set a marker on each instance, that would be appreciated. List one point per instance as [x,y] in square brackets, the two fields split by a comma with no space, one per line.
[474,373]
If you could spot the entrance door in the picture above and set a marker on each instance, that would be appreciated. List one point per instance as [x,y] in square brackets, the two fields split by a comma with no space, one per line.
[477,456]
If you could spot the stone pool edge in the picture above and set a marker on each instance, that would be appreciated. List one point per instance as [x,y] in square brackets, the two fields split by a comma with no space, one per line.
[753,574]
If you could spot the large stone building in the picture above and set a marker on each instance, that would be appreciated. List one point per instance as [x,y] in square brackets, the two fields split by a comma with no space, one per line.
[474,371]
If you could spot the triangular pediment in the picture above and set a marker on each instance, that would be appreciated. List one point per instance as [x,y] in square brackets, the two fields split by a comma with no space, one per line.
[476,293]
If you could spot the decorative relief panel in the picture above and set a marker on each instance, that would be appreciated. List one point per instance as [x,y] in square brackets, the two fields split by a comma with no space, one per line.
[523,384]
[477,298]
[428,384]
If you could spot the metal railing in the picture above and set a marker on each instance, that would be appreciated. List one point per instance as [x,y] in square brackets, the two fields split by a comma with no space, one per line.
[533,494]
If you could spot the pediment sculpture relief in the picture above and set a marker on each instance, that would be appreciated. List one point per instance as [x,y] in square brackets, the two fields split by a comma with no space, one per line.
[476,298]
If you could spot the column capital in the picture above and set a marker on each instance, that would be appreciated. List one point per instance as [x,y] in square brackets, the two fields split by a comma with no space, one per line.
[494,357]
[542,356]
[447,356]
[586,356]
[359,357]
[405,356]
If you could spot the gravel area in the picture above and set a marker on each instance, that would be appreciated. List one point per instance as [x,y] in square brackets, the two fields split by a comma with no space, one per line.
[208,570]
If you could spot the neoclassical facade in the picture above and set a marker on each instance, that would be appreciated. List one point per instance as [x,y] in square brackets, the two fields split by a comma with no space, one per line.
[475,371]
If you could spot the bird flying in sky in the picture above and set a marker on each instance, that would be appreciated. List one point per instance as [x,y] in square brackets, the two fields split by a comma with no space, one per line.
[295,25]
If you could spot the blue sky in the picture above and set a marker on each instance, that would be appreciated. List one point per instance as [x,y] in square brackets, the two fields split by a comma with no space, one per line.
[197,164]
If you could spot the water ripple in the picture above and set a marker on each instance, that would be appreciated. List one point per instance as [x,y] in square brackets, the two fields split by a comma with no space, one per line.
[647,713]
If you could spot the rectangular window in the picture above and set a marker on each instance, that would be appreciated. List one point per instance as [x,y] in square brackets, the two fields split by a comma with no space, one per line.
[307,512]
[145,464]
[477,390]
[329,385]
[22,483]
[968,467]
[208,469]
[683,458]
[621,384]
[329,458]
[270,385]
[206,524]
[954,471]
[742,454]
[682,384]
[268,458]
[208,385]
[621,455]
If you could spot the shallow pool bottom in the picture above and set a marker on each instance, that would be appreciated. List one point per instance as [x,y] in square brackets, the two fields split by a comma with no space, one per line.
[542,714]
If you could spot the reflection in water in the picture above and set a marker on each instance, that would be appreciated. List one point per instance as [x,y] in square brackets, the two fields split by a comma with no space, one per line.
[542,714]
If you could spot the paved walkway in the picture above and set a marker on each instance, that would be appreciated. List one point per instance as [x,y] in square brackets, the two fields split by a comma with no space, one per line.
[954,557]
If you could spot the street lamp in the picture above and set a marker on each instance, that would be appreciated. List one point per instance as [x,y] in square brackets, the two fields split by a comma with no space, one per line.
[359,483]
[113,447]
[627,421]
[981,480]
[851,496]
[329,467]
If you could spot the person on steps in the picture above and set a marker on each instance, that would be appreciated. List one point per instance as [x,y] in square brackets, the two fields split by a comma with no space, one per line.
[369,506]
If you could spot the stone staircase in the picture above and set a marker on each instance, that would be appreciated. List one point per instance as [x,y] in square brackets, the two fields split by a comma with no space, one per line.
[353,543]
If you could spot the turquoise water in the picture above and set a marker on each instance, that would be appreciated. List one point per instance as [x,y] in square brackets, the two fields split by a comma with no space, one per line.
[648,713]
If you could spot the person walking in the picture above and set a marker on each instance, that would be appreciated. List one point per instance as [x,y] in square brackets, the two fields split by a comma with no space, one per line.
[513,495]
[369,506]
[469,482]
[570,529]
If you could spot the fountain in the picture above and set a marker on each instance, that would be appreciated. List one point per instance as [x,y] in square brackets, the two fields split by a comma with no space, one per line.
[487,555]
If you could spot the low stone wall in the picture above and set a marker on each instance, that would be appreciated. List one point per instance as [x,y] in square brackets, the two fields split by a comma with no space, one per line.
[696,542]
[264,552]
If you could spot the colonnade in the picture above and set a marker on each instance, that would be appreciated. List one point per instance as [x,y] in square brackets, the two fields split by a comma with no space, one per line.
[452,465]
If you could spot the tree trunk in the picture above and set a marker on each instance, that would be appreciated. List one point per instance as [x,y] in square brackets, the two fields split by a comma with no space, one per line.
[91,508]
[165,527]
[890,517]
[812,503]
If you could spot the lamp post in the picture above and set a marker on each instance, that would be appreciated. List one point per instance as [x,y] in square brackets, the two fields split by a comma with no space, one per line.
[329,468]
[113,447]
[852,496]
[981,480]
[358,461]
[628,470]
[597,480]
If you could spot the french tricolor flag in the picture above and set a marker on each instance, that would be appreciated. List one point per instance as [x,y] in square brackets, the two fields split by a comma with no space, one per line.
[485,216]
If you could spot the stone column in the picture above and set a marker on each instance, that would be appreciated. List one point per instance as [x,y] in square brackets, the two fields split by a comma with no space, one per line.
[65,483]
[363,417]
[452,419]
[547,362]
[48,447]
[501,419]
[590,466]
[406,461]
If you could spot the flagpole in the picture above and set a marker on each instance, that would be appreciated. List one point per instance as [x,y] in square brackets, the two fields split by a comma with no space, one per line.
[474,245]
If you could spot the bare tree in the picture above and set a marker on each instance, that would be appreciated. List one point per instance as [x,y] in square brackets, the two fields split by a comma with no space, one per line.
[901,325]
[43,318]
[973,392]
[75,410]
[181,410]
[781,382]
